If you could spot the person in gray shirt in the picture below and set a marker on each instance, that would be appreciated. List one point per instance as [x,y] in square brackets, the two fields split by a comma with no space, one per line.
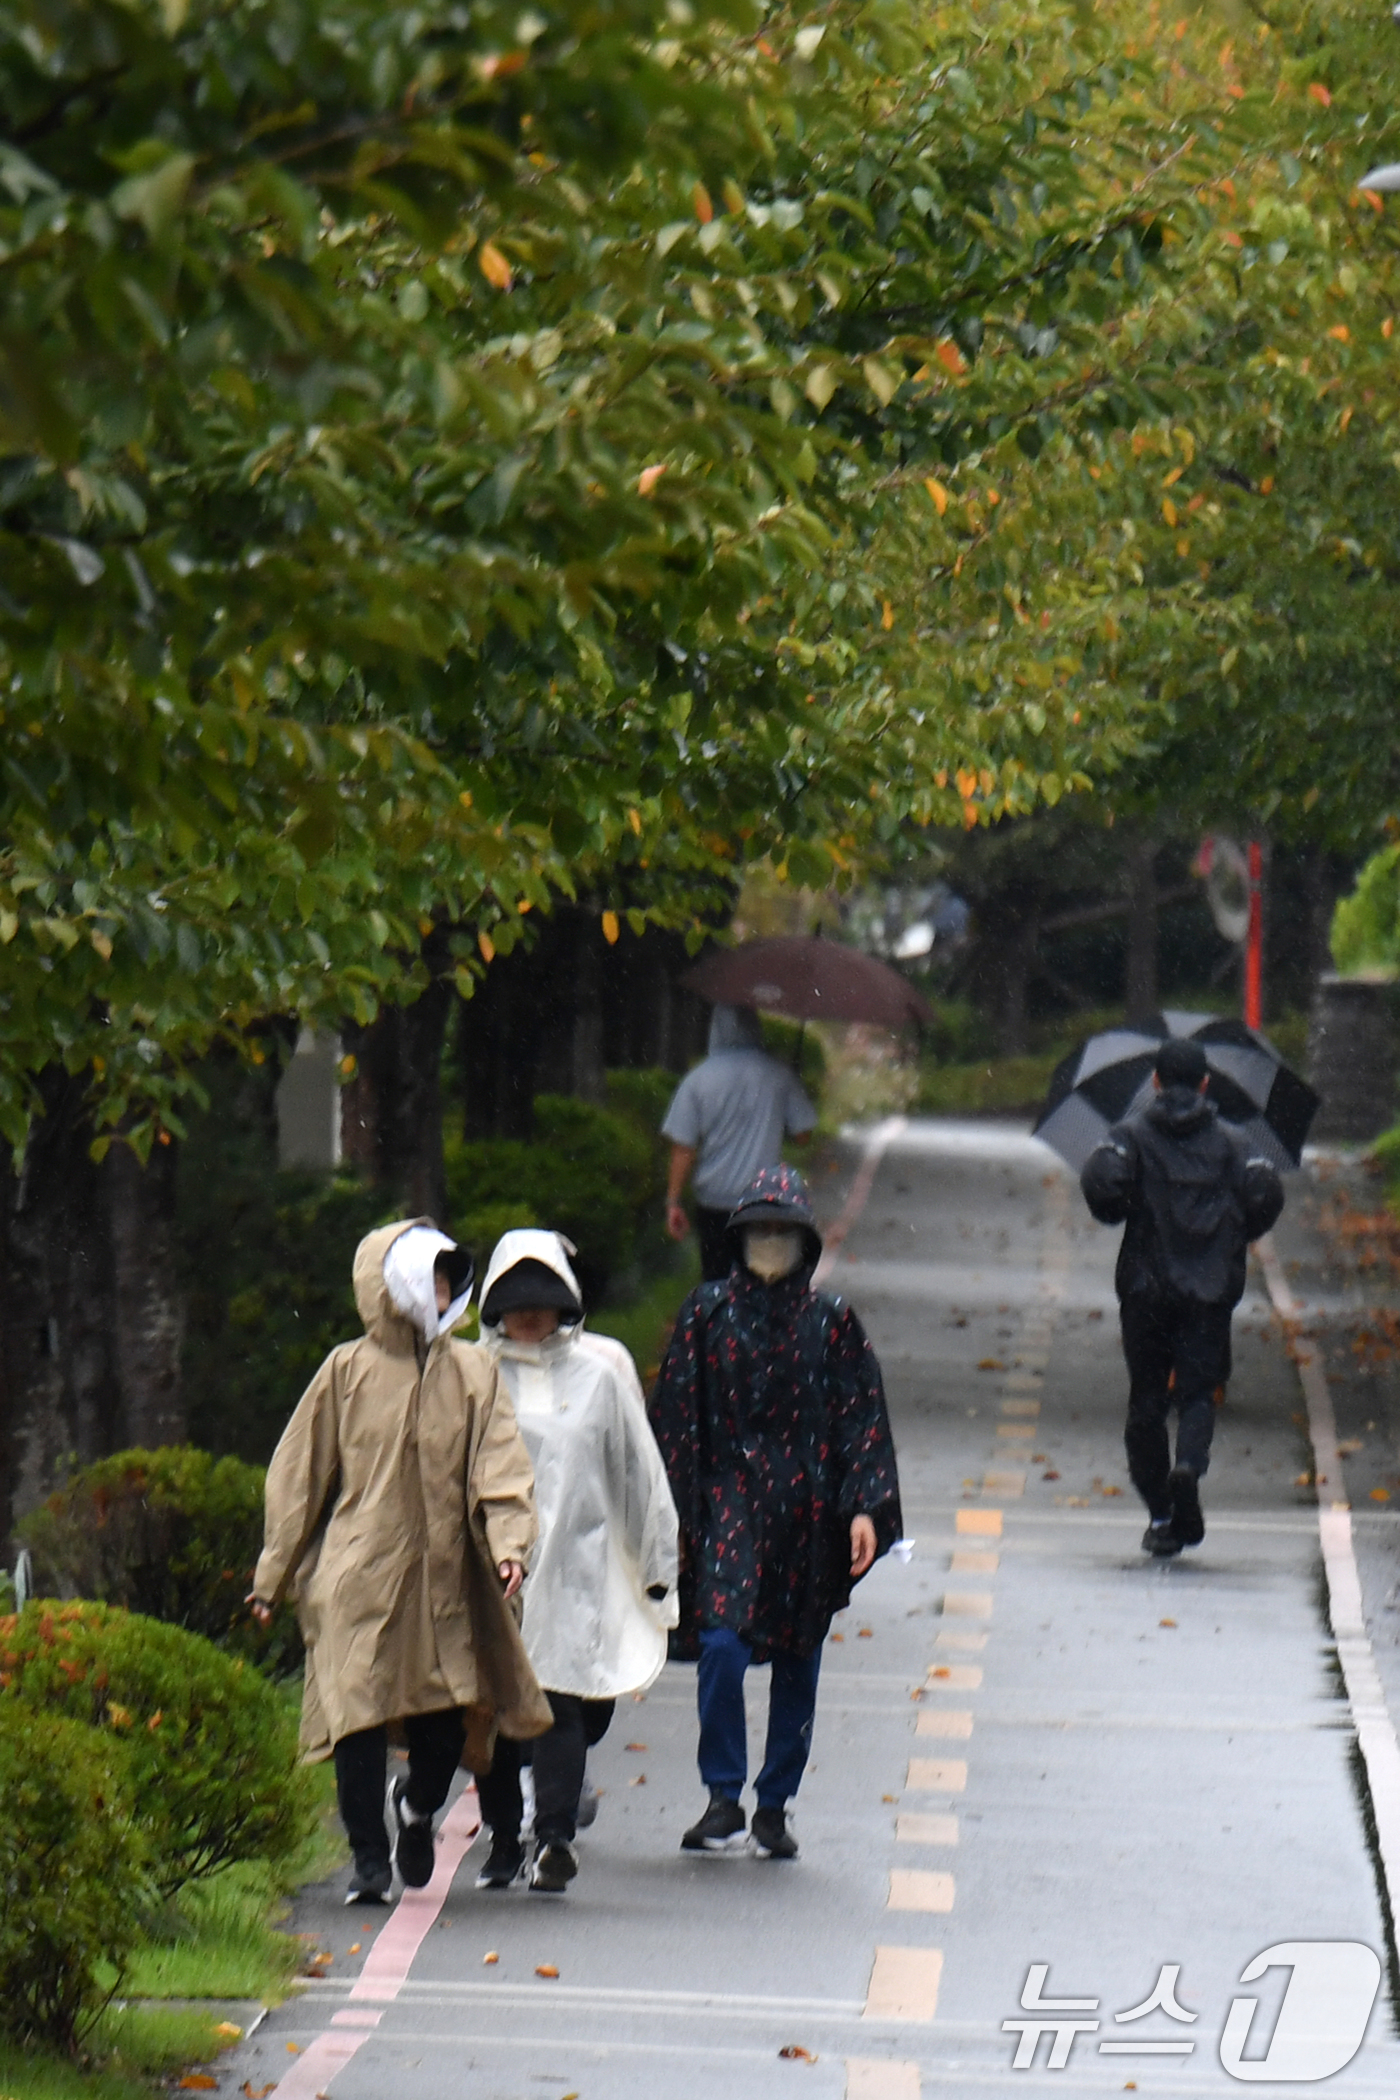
[727,1119]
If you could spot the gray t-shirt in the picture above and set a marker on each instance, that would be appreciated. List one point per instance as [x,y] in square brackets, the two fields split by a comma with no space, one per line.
[735,1109]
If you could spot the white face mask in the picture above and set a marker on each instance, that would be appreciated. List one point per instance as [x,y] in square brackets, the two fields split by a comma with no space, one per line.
[772,1253]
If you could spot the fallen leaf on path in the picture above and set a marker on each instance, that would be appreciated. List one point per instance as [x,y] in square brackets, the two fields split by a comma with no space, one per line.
[941,1671]
[838,1636]
[640,1780]
[227,2028]
[198,2082]
[889,1797]
[489,1960]
[636,1746]
[1380,1494]
[254,2092]
[546,1968]
[1166,1622]
[294,2048]
[355,1949]
[1049,1476]
[1111,1491]
[867,1633]
[991,1363]
[794,2053]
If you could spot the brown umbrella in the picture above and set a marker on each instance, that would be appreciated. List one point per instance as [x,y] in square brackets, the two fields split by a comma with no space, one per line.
[809,979]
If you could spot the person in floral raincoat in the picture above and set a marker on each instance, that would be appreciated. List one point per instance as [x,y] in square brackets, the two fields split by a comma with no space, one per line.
[770,1414]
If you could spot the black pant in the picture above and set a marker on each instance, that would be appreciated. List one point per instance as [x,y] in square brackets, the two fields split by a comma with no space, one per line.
[558,1758]
[712,1227]
[1178,1355]
[361,1771]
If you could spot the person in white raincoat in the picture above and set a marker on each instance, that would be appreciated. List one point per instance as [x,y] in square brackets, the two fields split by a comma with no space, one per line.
[601,1594]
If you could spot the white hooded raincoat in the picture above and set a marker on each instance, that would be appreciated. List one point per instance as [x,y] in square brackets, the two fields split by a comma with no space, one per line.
[607,1521]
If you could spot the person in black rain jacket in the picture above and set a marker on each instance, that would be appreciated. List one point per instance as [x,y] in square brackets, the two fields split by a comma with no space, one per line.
[1192,1198]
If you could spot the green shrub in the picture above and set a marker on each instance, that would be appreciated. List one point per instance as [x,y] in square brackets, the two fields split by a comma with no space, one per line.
[174,1534]
[208,1746]
[72,1872]
[1366,925]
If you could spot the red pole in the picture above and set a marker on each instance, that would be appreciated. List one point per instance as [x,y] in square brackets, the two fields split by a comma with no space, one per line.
[1254,941]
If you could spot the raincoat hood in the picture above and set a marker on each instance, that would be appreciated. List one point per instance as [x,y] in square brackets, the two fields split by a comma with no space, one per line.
[735,1028]
[550,1249]
[395,1284]
[776,1196]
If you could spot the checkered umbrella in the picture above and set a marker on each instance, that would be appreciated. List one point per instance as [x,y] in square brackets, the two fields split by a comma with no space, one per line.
[1110,1075]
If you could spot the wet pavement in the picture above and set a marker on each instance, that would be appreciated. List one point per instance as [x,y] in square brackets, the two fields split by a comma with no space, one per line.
[1036,1750]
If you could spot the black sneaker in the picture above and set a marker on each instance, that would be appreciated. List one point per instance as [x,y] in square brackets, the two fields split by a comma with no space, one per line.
[1187,1520]
[1161,1539]
[722,1822]
[505,1863]
[555,1865]
[414,1853]
[771,1837]
[370,1882]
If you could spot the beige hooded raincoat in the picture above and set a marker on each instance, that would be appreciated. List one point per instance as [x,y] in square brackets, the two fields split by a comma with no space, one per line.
[392,1496]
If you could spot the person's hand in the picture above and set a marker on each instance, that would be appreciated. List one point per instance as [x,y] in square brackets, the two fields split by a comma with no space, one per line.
[261,1612]
[677,1223]
[862,1546]
[512,1574]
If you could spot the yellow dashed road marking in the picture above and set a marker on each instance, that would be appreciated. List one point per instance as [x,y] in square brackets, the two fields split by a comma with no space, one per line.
[980,1523]
[911,1888]
[913,1829]
[1003,1484]
[904,1984]
[962,1643]
[970,1561]
[937,1775]
[1017,1430]
[949,1722]
[881,2078]
[967,1604]
[1020,1407]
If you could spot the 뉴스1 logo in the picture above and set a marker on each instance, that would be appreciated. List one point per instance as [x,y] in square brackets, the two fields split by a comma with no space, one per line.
[1320,2026]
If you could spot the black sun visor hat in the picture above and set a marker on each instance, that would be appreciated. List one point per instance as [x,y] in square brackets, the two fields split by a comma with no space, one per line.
[525,1285]
[457,1266]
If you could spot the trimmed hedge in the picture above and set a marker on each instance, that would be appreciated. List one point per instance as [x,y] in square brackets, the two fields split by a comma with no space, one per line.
[174,1534]
[208,1747]
[73,1874]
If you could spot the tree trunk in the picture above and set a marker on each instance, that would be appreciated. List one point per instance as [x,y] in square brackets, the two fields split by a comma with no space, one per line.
[391,1112]
[90,1325]
[1141,995]
[1014,963]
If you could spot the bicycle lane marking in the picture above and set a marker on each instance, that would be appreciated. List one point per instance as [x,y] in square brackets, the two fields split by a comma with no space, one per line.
[388,1963]
[1375,1728]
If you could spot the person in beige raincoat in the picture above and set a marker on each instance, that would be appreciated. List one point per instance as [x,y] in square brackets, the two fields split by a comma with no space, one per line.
[401,1517]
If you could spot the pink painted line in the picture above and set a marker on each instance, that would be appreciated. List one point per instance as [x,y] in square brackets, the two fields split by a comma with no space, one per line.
[876,1145]
[392,1956]
[389,1960]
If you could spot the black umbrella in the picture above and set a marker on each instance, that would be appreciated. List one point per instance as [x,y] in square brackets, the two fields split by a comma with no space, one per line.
[1104,1079]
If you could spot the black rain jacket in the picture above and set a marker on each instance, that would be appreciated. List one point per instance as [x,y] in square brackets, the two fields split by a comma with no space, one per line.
[1191,1195]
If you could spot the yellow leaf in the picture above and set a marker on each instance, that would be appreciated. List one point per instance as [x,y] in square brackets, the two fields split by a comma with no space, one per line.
[9,927]
[950,357]
[488,1961]
[704,209]
[819,385]
[487,946]
[634,818]
[611,929]
[939,494]
[1170,480]
[887,616]
[545,1968]
[882,382]
[494,267]
[104,947]
[648,478]
[1380,1494]
[465,798]
[1341,333]
[1266,486]
[1347,414]
[1169,511]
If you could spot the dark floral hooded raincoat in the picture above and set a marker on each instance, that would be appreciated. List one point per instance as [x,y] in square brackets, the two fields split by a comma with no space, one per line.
[770,1413]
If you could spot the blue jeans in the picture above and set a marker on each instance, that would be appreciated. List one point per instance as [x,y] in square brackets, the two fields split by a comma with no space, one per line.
[724,1745]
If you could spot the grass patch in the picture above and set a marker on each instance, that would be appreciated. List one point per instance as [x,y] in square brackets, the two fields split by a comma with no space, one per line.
[645,1325]
[1001,1086]
[218,1939]
[128,2049]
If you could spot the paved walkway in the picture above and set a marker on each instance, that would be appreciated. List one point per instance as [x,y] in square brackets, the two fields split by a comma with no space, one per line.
[1036,1751]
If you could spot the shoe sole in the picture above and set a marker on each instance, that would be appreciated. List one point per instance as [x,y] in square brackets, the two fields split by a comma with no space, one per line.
[499,1881]
[716,1848]
[763,1852]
